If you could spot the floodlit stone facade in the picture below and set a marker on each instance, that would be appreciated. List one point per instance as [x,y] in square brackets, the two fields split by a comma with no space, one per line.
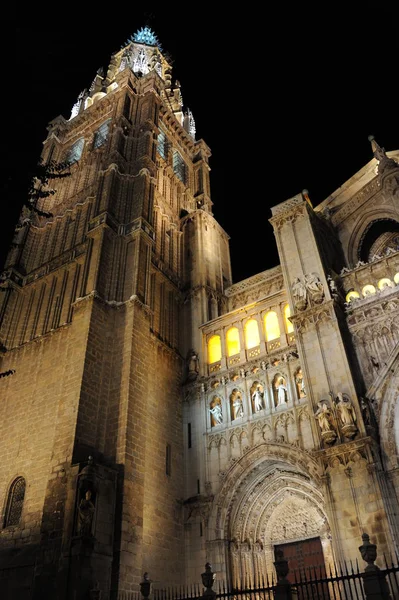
[160,416]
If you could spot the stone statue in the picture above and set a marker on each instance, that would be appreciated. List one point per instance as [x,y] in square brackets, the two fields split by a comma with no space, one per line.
[257,397]
[300,384]
[238,410]
[333,287]
[345,410]
[323,415]
[192,365]
[217,414]
[85,515]
[314,287]
[281,392]
[299,294]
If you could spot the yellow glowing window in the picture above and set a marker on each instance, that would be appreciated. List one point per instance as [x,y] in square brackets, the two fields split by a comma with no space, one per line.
[214,349]
[352,295]
[252,334]
[287,313]
[385,282]
[368,290]
[233,341]
[272,326]
[396,278]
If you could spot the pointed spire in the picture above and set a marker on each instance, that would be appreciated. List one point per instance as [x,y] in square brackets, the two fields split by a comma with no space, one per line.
[384,162]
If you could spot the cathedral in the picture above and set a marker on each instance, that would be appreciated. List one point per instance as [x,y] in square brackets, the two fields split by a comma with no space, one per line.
[156,416]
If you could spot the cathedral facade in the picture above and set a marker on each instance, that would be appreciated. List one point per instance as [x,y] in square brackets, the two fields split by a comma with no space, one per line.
[157,416]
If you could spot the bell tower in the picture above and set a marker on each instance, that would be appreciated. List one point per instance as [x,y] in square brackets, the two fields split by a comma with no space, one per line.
[105,290]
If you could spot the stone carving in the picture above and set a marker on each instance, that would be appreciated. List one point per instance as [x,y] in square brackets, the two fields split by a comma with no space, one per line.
[216,412]
[299,294]
[280,391]
[300,384]
[257,398]
[324,418]
[314,288]
[85,516]
[347,415]
[333,287]
[192,365]
[237,410]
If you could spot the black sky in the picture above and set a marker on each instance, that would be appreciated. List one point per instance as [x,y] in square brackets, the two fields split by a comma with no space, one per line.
[285,99]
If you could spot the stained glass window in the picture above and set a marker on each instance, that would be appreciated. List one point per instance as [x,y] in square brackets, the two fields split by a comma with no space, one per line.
[101,134]
[15,502]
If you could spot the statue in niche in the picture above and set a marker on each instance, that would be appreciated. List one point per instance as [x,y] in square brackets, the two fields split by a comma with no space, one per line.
[257,398]
[300,384]
[192,365]
[281,392]
[314,287]
[299,294]
[85,515]
[347,415]
[237,410]
[216,412]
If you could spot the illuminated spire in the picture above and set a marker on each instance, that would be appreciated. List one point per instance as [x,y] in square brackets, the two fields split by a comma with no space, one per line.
[146,36]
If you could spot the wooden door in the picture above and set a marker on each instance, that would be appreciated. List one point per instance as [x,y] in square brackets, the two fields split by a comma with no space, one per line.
[305,557]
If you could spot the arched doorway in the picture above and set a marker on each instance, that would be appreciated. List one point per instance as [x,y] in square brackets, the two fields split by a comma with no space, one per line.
[272,498]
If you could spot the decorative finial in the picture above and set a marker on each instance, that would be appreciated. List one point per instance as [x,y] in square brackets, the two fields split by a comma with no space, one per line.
[305,194]
[384,162]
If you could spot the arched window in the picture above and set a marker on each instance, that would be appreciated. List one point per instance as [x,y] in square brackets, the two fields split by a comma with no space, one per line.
[352,295]
[289,327]
[214,349]
[251,334]
[15,502]
[75,151]
[233,341]
[271,326]
[368,290]
[385,282]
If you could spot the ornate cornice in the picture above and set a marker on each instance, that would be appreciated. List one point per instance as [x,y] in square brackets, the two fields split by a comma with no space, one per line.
[314,316]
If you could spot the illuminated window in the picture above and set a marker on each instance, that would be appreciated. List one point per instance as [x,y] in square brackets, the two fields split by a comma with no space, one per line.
[214,349]
[396,278]
[287,313]
[368,290]
[352,295]
[101,134]
[252,334]
[179,167]
[162,145]
[15,502]
[75,151]
[271,326]
[385,282]
[233,341]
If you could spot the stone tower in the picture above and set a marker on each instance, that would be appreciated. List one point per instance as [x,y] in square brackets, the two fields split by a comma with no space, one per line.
[103,305]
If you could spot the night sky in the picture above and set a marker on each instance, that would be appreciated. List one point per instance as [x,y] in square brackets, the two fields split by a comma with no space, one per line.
[285,101]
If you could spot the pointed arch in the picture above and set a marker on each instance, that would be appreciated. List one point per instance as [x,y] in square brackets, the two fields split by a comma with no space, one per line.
[15,502]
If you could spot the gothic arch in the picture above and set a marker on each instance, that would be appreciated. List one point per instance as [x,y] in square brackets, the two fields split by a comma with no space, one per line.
[363,224]
[263,489]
